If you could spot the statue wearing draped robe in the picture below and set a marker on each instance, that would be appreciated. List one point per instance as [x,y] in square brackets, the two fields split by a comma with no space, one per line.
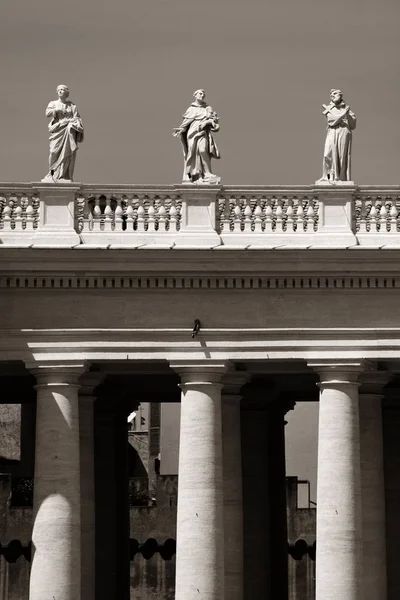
[198,144]
[341,121]
[65,133]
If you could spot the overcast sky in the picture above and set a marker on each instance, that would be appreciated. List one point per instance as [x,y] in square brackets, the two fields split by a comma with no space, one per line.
[266,66]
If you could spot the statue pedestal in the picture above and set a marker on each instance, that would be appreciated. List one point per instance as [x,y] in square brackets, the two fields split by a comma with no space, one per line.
[336,214]
[56,221]
[198,222]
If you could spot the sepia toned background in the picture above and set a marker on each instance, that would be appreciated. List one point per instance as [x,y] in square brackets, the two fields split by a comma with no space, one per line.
[132,66]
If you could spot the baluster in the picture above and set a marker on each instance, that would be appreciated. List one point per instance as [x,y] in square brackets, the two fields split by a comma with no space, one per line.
[363,216]
[36,209]
[7,212]
[237,217]
[247,216]
[119,212]
[232,205]
[161,214]
[373,216]
[2,207]
[24,205]
[13,202]
[310,216]
[383,215]
[18,218]
[29,218]
[108,215]
[130,213]
[268,216]
[258,217]
[82,217]
[226,216]
[278,215]
[173,222]
[151,221]
[96,222]
[289,215]
[393,214]
[300,216]
[140,216]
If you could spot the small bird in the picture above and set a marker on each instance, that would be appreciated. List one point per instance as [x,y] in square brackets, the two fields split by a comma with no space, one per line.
[196,328]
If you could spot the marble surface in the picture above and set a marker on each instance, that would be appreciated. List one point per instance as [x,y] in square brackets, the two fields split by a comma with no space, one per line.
[200,121]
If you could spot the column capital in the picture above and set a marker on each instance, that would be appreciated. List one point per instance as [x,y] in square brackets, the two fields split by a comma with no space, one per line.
[341,372]
[88,383]
[57,374]
[233,383]
[373,382]
[200,372]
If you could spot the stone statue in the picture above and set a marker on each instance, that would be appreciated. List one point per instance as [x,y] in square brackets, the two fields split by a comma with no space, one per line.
[337,152]
[197,141]
[65,133]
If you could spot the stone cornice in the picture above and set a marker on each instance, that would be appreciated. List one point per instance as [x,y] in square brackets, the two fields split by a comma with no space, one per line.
[348,265]
[119,281]
[222,344]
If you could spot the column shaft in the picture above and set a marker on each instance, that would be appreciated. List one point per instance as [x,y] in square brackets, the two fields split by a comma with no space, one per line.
[56,565]
[339,538]
[278,518]
[373,497]
[233,501]
[256,499]
[112,500]
[122,498]
[200,525]
[391,441]
[87,397]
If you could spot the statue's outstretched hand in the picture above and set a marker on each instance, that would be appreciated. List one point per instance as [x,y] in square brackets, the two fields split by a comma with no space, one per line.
[177,132]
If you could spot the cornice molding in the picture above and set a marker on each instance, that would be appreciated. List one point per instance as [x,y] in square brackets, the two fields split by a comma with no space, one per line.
[245,282]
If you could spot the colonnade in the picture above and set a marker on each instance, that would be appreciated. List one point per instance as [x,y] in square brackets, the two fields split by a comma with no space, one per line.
[214,558]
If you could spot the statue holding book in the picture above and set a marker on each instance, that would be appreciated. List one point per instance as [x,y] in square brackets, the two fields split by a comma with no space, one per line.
[341,121]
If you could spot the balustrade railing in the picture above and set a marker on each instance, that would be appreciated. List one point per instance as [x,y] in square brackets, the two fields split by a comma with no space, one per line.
[19,211]
[141,211]
[269,212]
[199,216]
[377,212]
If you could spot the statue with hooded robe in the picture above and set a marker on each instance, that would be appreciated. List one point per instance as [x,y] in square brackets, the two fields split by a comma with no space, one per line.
[65,133]
[199,147]
[341,121]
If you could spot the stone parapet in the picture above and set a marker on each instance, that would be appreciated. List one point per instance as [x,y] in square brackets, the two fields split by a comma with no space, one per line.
[199,216]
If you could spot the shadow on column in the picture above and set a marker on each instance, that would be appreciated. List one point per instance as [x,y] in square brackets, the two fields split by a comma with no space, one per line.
[264,495]
[391,440]
[112,501]
[256,493]
[277,480]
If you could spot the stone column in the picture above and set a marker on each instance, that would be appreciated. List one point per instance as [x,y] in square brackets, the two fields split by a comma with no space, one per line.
[200,524]
[372,484]
[233,498]
[105,499]
[339,522]
[256,494]
[391,449]
[56,537]
[112,494]
[122,500]
[87,397]
[278,504]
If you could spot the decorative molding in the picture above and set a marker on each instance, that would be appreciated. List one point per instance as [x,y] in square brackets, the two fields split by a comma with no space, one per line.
[186,282]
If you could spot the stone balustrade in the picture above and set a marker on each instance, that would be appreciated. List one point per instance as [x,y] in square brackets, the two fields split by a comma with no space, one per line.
[187,216]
